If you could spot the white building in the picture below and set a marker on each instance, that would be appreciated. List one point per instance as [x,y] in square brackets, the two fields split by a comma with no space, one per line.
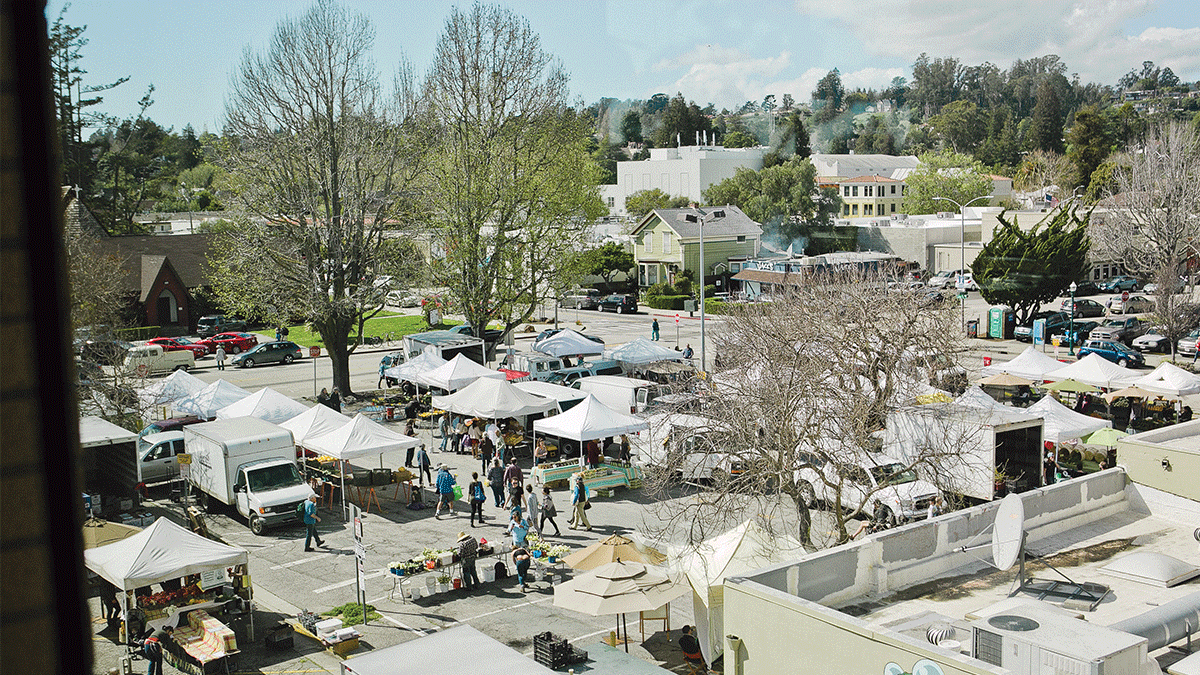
[685,171]
[853,166]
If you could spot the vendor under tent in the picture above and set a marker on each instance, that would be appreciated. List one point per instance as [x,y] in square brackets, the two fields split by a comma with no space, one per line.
[456,374]
[619,588]
[410,371]
[1095,370]
[461,649]
[642,351]
[1170,380]
[178,385]
[1129,392]
[1060,423]
[494,399]
[569,343]
[744,548]
[206,402]
[1030,364]
[362,436]
[265,404]
[162,552]
[588,421]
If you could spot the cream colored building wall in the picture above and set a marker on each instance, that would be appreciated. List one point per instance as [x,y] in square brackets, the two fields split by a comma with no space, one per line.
[1165,459]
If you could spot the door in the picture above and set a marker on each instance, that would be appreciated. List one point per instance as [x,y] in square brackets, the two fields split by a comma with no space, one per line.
[241,495]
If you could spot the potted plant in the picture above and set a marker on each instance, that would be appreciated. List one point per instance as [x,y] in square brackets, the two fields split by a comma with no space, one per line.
[443,583]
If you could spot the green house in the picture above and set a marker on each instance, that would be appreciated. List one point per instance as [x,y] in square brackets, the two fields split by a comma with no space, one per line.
[667,241]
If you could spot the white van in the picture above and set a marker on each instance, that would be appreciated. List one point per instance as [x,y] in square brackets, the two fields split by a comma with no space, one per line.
[539,366]
[151,359]
[621,393]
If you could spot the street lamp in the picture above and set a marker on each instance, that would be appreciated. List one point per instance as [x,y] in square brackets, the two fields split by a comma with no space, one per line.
[1071,330]
[962,249]
[700,217]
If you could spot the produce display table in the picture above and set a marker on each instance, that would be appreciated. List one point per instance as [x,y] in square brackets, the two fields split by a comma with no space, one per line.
[203,646]
[498,553]
[339,649]
[550,473]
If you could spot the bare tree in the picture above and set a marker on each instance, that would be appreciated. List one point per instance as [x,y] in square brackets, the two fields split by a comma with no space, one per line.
[324,165]
[513,186]
[803,387]
[1153,221]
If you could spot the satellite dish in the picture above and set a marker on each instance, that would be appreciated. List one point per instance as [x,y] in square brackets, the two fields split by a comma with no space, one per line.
[1008,534]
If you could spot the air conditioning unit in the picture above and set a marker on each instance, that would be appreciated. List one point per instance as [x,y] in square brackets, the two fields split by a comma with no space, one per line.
[945,215]
[842,222]
[1032,641]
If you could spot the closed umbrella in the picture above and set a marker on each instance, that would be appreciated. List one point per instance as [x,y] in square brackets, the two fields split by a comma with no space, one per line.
[619,588]
[611,549]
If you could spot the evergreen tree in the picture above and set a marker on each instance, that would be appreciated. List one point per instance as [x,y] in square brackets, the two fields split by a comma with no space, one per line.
[631,126]
[1025,269]
[1091,143]
[1046,125]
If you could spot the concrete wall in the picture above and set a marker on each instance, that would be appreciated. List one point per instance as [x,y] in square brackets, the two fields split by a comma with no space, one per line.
[793,599]
[1142,455]
[685,171]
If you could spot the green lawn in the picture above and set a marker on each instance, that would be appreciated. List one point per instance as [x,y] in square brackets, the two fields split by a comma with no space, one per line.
[399,324]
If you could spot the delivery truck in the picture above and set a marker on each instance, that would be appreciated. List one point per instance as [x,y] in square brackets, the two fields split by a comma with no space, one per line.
[973,452]
[247,463]
[623,394]
[446,344]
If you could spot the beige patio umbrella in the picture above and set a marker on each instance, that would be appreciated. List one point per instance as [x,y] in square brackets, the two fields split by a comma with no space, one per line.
[1073,386]
[98,532]
[619,587]
[1005,380]
[611,549]
[1129,392]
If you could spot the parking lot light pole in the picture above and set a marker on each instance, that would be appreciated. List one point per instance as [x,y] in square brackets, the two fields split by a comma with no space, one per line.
[962,249]
[1071,330]
[700,218]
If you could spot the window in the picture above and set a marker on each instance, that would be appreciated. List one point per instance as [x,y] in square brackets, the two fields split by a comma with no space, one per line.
[893,203]
[611,202]
[854,209]
[741,239]
[868,209]
[893,189]
[735,267]
[845,209]
[868,191]
[666,242]
[649,241]
[651,275]
[855,191]
[845,190]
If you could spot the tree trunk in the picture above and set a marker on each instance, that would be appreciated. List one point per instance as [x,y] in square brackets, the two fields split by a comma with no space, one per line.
[335,334]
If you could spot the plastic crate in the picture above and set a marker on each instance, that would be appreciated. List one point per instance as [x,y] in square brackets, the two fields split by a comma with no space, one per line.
[551,651]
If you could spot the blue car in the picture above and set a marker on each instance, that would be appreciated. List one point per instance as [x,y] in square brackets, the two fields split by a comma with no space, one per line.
[1116,352]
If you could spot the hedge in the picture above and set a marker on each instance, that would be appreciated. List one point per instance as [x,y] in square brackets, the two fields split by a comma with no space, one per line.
[666,301]
[715,306]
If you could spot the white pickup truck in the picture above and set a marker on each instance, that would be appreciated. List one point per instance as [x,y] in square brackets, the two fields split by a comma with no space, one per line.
[885,489]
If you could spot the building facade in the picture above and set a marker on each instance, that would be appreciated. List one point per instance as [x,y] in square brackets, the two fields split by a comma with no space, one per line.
[866,196]
[684,171]
[667,243]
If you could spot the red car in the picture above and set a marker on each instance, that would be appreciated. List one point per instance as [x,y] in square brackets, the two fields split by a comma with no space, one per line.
[234,343]
[178,344]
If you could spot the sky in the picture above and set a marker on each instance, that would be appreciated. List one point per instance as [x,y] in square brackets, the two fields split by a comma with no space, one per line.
[712,51]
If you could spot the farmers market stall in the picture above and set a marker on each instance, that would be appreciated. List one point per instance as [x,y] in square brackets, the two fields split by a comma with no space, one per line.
[265,404]
[456,374]
[461,649]
[196,573]
[206,402]
[360,437]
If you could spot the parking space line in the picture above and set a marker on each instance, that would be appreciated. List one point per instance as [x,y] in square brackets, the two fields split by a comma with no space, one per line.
[297,562]
[342,584]
[417,631]
[504,609]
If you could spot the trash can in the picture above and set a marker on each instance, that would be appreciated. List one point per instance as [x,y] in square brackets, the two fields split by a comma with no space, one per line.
[973,328]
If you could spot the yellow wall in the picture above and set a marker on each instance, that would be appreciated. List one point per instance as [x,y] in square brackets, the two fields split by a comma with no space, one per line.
[1143,461]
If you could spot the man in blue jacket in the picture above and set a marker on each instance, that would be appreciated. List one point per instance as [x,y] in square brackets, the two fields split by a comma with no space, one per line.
[310,523]
[445,488]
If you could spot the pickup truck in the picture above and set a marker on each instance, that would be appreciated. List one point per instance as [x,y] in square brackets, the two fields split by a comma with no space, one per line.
[1119,330]
[213,324]
[885,489]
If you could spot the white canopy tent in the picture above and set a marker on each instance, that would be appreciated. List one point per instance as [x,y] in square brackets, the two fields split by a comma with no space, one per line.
[206,402]
[317,420]
[456,374]
[422,363]
[1170,380]
[1030,364]
[976,397]
[590,420]
[642,351]
[1060,423]
[744,548]
[568,343]
[178,385]
[1097,371]
[493,398]
[555,392]
[265,404]
[361,436]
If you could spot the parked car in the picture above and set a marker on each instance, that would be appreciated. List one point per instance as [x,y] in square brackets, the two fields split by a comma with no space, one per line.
[1153,340]
[1084,308]
[619,304]
[931,298]
[1136,304]
[581,298]
[1113,351]
[1119,330]
[151,359]
[1055,322]
[214,324]
[105,351]
[943,279]
[234,343]
[1078,335]
[1187,344]
[403,299]
[282,351]
[388,361]
[569,376]
[1122,283]
[180,343]
[1150,288]
[1083,288]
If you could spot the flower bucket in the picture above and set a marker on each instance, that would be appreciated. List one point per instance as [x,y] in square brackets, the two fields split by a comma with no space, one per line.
[443,588]
[553,559]
[537,554]
[430,583]
[457,584]
[488,574]
[414,592]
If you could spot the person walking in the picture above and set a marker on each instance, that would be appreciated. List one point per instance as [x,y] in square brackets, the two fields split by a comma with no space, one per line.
[531,506]
[445,428]
[593,454]
[220,357]
[516,498]
[335,400]
[626,449]
[423,474]
[468,550]
[323,397]
[579,499]
[495,477]
[688,353]
[654,330]
[518,527]
[514,472]
[475,492]
[486,450]
[521,560]
[408,454]
[445,490]
[548,512]
[310,524]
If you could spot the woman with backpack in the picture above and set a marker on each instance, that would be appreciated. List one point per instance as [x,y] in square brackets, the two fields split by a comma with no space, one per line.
[475,490]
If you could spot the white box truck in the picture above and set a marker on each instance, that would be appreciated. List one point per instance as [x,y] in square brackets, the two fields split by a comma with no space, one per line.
[250,464]
[446,344]
[623,394]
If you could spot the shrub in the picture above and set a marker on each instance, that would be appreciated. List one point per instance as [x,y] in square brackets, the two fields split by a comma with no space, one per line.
[666,301]
[715,306]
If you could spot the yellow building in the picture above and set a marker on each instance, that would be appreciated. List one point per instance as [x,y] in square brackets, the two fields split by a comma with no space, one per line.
[867,196]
